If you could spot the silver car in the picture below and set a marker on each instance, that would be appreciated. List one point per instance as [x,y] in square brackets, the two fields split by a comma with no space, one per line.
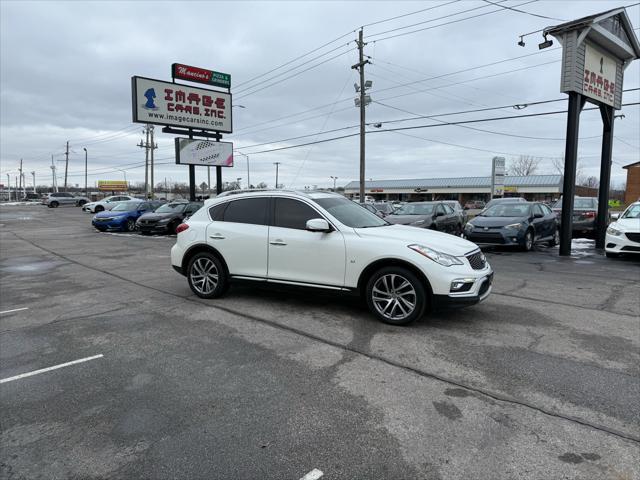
[54,200]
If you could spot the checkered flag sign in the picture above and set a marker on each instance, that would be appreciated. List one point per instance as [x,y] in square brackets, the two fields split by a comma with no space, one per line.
[205,152]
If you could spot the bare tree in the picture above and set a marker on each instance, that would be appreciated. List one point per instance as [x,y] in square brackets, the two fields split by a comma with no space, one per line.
[524,165]
[558,165]
[591,182]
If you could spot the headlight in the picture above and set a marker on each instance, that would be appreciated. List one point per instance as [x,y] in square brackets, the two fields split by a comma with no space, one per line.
[438,257]
[164,220]
[418,222]
[614,232]
[513,226]
[469,227]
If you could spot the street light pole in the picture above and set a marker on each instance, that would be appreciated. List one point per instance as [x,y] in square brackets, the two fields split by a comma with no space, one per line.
[277,164]
[34,181]
[9,185]
[334,182]
[86,192]
[248,176]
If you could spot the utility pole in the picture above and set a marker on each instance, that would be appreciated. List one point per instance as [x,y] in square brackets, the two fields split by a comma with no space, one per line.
[20,175]
[145,145]
[66,166]
[152,147]
[334,182]
[9,185]
[34,181]
[360,67]
[86,192]
[277,164]
[209,181]
[24,184]
[54,184]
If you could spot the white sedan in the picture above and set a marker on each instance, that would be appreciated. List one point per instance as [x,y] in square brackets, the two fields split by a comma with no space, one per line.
[623,235]
[106,203]
[324,240]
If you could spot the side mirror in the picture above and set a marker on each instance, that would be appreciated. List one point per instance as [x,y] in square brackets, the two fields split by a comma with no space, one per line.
[615,216]
[318,225]
[439,214]
[538,215]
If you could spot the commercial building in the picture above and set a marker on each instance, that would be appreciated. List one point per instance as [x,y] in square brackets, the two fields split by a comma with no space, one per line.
[632,192]
[462,189]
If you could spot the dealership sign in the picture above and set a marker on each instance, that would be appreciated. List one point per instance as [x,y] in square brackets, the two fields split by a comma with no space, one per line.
[204,152]
[599,79]
[200,75]
[172,104]
[498,170]
[113,185]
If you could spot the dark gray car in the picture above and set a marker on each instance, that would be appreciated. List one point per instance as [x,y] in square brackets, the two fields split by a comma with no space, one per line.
[167,217]
[585,211]
[432,215]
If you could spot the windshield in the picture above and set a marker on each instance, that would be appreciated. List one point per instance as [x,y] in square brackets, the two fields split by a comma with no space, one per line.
[171,208]
[507,210]
[415,209]
[350,213]
[125,206]
[632,212]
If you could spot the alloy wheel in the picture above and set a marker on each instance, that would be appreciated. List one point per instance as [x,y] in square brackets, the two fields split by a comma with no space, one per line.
[204,276]
[528,241]
[131,225]
[394,297]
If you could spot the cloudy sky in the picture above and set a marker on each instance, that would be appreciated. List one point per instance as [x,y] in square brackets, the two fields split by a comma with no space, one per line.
[66,72]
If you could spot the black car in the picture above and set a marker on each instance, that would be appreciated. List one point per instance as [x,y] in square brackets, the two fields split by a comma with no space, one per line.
[514,223]
[167,217]
[585,211]
[432,215]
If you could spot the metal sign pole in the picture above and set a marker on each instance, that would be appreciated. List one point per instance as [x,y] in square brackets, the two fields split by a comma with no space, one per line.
[576,103]
[192,176]
[602,220]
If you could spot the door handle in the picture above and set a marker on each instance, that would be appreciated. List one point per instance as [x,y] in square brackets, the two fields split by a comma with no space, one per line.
[217,236]
[277,242]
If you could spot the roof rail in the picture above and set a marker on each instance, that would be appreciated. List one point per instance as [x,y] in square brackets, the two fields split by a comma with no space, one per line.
[251,190]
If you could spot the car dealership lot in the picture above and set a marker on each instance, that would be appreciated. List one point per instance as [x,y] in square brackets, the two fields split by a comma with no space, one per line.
[542,380]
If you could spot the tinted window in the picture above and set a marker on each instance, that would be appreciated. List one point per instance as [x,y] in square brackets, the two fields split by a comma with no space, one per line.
[415,209]
[247,210]
[448,209]
[440,209]
[290,213]
[217,212]
[546,210]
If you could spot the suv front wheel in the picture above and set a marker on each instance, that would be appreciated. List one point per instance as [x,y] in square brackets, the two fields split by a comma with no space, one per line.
[396,296]
[207,276]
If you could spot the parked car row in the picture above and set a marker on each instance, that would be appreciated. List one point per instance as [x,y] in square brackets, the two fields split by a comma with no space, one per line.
[144,216]
[57,199]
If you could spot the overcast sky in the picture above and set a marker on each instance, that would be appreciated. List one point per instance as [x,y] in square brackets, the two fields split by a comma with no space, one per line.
[66,72]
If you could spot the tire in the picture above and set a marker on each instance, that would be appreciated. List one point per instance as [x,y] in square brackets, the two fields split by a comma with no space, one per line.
[81,203]
[131,225]
[54,204]
[207,276]
[98,209]
[527,245]
[612,254]
[458,231]
[383,297]
[556,239]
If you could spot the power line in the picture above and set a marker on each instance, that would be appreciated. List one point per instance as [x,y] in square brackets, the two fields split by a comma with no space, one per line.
[408,14]
[522,11]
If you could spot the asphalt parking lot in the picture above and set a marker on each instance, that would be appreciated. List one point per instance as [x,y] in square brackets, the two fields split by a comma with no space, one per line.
[541,381]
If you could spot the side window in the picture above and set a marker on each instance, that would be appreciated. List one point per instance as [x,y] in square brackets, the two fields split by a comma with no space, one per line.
[448,209]
[247,210]
[291,213]
[440,209]
[537,210]
[191,209]
[217,212]
[144,206]
[546,210]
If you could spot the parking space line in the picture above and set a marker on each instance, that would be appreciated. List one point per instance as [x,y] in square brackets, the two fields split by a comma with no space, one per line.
[48,369]
[14,310]
[314,474]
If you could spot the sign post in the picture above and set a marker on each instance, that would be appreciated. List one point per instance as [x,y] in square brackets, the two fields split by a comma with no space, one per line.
[596,50]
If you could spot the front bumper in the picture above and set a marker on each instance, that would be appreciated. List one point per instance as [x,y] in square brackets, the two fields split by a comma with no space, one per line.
[153,227]
[111,225]
[620,244]
[495,236]
[480,292]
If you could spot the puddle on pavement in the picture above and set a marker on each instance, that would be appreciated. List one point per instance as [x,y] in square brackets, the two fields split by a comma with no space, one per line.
[29,265]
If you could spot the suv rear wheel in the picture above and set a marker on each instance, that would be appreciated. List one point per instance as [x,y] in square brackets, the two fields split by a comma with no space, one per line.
[54,204]
[396,296]
[207,276]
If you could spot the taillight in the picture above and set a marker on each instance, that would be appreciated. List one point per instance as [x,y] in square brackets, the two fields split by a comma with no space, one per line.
[589,214]
[182,227]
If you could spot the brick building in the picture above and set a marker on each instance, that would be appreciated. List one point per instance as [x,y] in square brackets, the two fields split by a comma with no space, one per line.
[632,192]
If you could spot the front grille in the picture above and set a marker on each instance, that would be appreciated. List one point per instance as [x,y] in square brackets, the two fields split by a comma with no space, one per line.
[634,237]
[477,260]
[487,237]
[629,248]
[103,219]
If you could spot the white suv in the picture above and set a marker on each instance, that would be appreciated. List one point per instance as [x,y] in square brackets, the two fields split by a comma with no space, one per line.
[106,203]
[326,241]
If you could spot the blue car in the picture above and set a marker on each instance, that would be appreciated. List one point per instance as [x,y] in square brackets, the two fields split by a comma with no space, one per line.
[123,216]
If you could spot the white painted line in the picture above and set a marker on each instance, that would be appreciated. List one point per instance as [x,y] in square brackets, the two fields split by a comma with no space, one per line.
[314,474]
[14,310]
[48,369]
